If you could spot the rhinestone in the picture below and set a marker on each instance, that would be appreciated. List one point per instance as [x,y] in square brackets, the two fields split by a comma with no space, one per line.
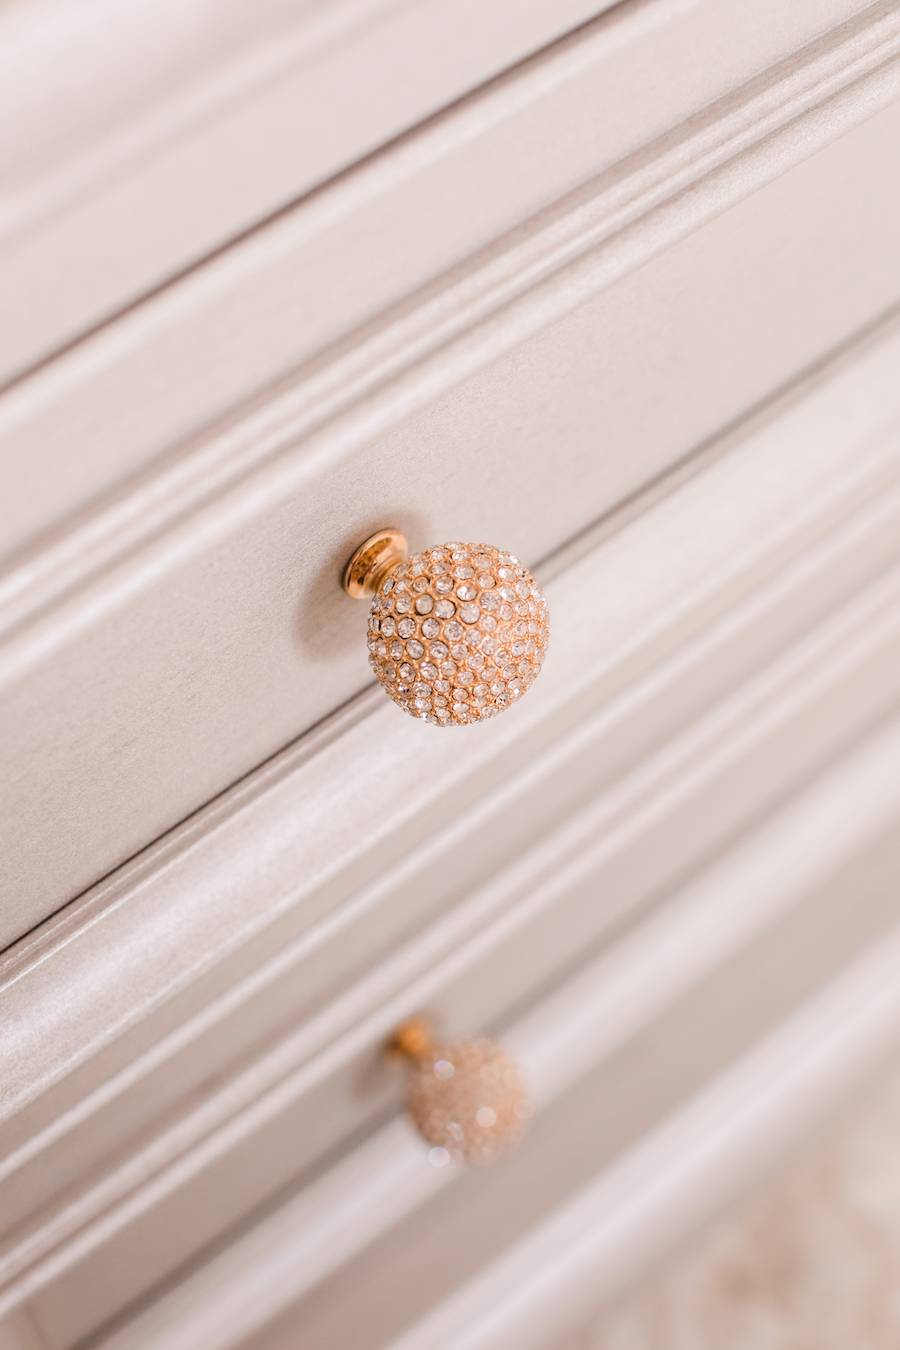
[483,628]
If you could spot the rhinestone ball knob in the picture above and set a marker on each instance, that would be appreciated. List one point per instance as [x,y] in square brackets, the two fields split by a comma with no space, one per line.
[468,1100]
[457,633]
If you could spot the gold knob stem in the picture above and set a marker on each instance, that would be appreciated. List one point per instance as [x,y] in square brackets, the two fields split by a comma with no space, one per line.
[413,1040]
[372,562]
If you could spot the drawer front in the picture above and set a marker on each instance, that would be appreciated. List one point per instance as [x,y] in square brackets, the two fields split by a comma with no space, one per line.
[192,655]
[201,1034]
[306,287]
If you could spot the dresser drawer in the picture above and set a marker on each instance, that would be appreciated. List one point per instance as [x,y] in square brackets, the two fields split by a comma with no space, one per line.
[157,655]
[715,741]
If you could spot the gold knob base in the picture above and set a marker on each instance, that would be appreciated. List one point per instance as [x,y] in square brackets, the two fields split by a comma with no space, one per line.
[371,563]
[413,1040]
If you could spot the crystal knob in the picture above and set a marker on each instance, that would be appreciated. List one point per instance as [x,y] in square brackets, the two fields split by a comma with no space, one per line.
[467,1099]
[457,633]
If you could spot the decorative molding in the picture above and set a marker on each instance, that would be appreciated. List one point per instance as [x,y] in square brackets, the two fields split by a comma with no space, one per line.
[340,386]
[726,680]
[828,1026]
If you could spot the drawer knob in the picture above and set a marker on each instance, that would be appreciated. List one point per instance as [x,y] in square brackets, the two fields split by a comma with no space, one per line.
[467,1099]
[457,633]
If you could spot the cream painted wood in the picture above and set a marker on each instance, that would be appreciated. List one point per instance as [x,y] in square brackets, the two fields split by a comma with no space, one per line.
[206,1023]
[129,395]
[537,1260]
[253,105]
[203,649]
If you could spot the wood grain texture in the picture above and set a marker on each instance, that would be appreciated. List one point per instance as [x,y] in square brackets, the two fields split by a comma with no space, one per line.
[197,652]
[204,1027]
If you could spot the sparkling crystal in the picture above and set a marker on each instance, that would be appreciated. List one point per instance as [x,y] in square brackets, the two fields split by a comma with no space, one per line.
[494,628]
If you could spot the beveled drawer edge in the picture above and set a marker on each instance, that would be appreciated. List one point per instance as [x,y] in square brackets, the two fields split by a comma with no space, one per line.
[682,1167]
[450,330]
[763,562]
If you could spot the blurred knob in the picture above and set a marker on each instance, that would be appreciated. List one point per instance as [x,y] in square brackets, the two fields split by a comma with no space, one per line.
[467,1099]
